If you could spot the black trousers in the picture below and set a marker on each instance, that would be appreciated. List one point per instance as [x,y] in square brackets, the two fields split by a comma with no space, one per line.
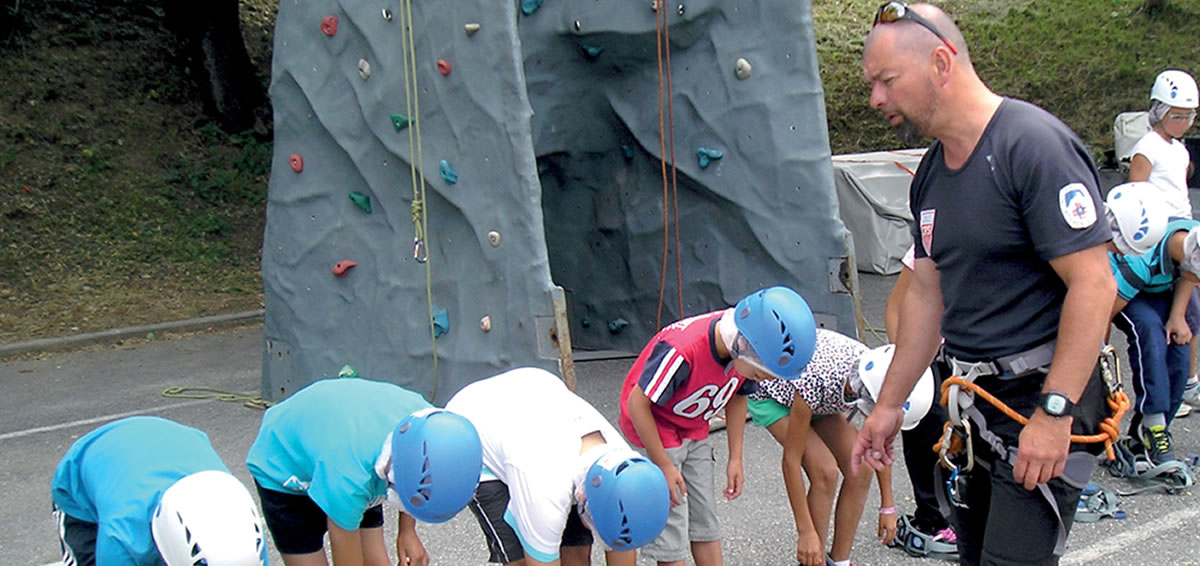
[920,461]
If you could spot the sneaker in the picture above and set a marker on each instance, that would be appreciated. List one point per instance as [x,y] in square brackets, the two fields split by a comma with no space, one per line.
[1191,393]
[1184,410]
[946,535]
[1158,444]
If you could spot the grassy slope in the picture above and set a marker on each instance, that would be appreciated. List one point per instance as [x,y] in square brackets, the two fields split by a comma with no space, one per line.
[119,205]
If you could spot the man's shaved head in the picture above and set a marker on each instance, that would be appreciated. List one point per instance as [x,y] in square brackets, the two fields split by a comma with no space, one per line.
[914,39]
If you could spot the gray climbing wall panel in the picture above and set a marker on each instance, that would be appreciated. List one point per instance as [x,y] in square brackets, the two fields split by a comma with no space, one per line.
[537,116]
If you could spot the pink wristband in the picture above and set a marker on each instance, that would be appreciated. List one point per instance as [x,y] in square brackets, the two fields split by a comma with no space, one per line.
[887,510]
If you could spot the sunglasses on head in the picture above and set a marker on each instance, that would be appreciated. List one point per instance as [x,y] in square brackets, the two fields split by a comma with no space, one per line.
[896,11]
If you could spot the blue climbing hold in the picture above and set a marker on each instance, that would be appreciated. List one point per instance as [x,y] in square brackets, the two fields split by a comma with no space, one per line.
[627,151]
[592,51]
[617,325]
[707,156]
[347,371]
[530,6]
[448,173]
[361,200]
[441,321]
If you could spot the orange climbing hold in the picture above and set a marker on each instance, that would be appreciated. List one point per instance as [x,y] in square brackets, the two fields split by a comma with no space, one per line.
[342,267]
[444,67]
[329,25]
[296,162]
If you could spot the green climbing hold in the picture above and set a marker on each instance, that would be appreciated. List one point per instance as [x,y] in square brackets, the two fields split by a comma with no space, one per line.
[363,201]
[347,371]
[617,325]
[400,121]
[592,51]
[707,156]
[627,151]
[441,321]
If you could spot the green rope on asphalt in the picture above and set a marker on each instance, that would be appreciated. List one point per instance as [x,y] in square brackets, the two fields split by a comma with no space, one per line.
[247,399]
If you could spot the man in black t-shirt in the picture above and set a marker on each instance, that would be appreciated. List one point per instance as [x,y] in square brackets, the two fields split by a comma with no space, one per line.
[1010,269]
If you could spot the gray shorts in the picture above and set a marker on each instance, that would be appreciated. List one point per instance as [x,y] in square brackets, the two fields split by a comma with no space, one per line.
[695,520]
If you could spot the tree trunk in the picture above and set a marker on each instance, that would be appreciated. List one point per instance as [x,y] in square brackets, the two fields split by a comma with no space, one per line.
[211,44]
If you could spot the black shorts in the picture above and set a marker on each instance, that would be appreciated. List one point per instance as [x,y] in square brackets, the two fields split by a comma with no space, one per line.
[78,539]
[298,525]
[490,503]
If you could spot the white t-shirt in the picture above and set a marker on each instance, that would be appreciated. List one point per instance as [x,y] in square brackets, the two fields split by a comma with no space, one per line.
[1168,170]
[910,258]
[531,427]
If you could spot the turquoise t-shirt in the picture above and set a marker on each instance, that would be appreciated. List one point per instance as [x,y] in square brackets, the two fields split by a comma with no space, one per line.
[115,475]
[324,441]
[1154,272]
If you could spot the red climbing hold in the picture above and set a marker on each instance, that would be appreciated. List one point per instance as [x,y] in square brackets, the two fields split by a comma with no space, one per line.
[342,267]
[296,162]
[329,25]
[444,67]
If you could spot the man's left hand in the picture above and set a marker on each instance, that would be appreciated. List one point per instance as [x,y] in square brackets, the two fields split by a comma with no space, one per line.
[1042,449]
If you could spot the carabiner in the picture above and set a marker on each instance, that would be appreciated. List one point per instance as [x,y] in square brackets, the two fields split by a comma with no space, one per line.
[419,252]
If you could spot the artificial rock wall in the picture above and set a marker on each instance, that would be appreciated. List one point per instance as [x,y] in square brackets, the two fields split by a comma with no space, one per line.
[540,152]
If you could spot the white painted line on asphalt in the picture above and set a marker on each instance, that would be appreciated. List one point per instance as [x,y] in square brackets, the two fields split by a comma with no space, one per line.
[1101,549]
[73,424]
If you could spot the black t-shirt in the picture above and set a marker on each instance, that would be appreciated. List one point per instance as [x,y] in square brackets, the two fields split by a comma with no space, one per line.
[1028,193]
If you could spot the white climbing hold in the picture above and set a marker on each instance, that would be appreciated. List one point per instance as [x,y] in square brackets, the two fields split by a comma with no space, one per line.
[494,238]
[742,69]
[654,5]
[364,69]
[471,29]
[485,324]
[387,14]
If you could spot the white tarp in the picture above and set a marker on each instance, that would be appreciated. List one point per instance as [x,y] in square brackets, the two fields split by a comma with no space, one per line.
[872,191]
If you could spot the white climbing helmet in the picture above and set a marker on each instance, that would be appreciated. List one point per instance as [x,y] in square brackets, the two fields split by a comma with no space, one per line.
[208,518]
[1175,88]
[1137,219]
[872,367]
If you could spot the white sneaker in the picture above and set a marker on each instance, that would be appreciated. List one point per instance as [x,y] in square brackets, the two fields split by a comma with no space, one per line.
[1184,410]
[1191,393]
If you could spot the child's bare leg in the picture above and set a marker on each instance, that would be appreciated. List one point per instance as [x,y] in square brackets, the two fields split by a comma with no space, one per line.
[822,470]
[707,553]
[839,436]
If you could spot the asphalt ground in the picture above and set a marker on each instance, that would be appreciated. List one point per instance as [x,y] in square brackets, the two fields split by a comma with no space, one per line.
[47,403]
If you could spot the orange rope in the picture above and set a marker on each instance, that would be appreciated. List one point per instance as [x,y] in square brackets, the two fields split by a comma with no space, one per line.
[662,145]
[666,137]
[1110,427]
[674,178]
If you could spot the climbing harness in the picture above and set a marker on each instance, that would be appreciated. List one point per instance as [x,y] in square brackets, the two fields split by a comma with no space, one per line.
[920,544]
[1132,464]
[1096,503]
[420,218]
[666,137]
[959,393]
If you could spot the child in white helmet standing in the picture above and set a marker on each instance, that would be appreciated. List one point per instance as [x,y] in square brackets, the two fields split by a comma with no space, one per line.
[146,490]
[843,376]
[1162,160]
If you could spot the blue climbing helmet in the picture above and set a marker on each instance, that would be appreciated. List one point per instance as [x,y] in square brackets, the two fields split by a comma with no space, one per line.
[780,329]
[436,460]
[627,498]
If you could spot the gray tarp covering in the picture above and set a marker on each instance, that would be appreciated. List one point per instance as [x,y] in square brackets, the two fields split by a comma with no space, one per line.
[567,93]
[872,193]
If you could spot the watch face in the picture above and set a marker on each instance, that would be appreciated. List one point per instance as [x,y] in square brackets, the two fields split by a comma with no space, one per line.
[1055,404]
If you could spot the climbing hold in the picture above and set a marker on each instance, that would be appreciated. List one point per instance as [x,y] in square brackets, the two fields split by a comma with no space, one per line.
[329,25]
[448,173]
[706,155]
[742,69]
[578,26]
[387,14]
[627,151]
[363,201]
[494,238]
[586,322]
[680,9]
[441,321]
[528,7]
[471,29]
[444,67]
[617,325]
[347,371]
[654,5]
[342,267]
[364,69]
[592,51]
[296,162]
[399,121]
[485,324]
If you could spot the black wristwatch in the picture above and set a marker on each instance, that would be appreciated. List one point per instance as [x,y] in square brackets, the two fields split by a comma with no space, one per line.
[1056,404]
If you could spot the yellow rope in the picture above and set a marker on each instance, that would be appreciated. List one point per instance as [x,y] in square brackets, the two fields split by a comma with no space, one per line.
[412,104]
[250,400]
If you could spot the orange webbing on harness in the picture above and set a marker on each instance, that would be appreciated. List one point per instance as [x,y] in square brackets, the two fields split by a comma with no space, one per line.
[1110,429]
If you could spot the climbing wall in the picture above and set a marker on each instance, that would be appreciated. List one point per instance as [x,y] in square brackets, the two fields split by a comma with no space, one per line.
[526,143]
